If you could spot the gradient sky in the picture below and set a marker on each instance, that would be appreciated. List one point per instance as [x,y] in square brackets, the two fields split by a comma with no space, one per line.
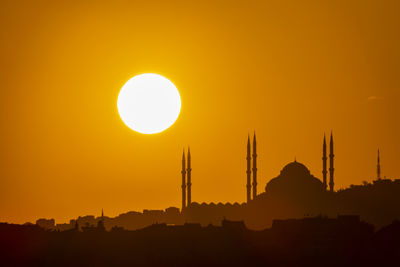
[291,70]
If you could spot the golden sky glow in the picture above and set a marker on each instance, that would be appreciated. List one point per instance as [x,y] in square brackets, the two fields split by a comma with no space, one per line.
[291,70]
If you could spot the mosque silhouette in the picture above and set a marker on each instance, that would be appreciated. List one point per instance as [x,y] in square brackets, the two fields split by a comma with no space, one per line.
[295,185]
[294,174]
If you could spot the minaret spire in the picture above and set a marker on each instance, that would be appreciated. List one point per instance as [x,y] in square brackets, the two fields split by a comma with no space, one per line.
[189,179]
[100,223]
[183,181]
[254,166]
[248,171]
[324,159]
[378,167]
[331,167]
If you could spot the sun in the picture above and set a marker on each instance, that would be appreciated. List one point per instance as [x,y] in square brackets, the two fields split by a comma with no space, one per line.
[149,103]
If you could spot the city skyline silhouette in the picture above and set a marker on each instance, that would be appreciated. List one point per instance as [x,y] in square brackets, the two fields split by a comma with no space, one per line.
[294,193]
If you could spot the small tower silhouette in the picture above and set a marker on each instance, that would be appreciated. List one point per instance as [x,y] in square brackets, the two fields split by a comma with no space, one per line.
[100,223]
[248,171]
[189,180]
[183,181]
[378,167]
[324,159]
[254,166]
[331,167]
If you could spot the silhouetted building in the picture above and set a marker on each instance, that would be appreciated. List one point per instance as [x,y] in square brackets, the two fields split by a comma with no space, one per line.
[100,223]
[254,166]
[248,171]
[251,186]
[186,184]
[189,179]
[211,213]
[233,225]
[46,223]
[324,159]
[89,224]
[183,181]
[294,179]
[344,225]
[331,167]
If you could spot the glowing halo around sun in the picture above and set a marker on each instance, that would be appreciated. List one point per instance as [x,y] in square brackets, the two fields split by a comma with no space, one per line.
[149,103]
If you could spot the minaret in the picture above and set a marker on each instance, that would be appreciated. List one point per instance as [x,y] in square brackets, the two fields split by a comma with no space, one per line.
[254,166]
[189,180]
[324,158]
[183,181]
[100,223]
[378,167]
[248,171]
[331,167]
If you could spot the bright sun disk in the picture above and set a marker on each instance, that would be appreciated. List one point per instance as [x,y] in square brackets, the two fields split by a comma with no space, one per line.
[149,103]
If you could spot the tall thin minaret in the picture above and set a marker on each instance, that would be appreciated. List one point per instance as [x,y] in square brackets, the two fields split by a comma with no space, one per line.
[189,179]
[324,158]
[378,167]
[183,181]
[331,167]
[254,166]
[248,171]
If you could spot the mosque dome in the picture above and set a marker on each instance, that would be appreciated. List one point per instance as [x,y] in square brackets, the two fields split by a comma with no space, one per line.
[295,169]
[295,178]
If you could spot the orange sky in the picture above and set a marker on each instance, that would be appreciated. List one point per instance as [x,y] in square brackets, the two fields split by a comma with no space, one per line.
[291,70]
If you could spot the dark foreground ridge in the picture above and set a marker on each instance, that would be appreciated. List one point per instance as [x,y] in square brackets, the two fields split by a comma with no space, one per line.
[317,241]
